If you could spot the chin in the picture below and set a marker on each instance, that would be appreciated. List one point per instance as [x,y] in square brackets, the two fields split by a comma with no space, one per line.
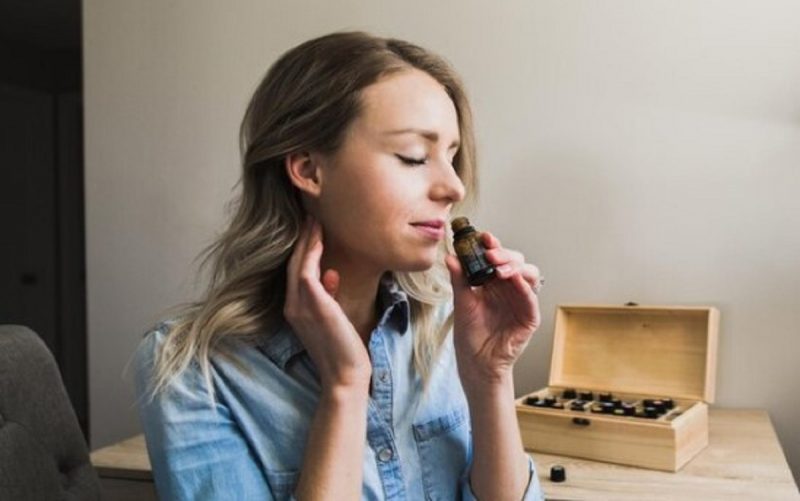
[422,263]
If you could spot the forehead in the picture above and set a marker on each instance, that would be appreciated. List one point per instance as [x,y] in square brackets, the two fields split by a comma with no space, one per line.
[411,99]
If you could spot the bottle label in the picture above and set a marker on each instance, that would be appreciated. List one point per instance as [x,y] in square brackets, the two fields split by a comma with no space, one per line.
[476,261]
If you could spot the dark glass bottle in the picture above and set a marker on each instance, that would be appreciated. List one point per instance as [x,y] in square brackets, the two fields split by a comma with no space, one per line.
[470,252]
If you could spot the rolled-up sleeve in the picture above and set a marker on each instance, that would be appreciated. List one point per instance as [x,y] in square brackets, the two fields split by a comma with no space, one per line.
[196,449]
[533,492]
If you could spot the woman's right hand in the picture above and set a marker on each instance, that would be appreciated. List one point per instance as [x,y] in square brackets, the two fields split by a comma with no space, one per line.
[317,319]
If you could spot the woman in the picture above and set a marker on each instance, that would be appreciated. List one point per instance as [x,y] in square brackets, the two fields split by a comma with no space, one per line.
[331,357]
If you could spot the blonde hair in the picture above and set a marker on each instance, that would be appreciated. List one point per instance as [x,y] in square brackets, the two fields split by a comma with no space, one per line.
[306,101]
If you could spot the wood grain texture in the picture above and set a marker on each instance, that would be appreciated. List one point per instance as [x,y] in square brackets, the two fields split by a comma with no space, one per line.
[743,460]
[126,459]
[657,350]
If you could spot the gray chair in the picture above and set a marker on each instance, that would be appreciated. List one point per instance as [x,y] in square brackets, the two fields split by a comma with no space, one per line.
[43,455]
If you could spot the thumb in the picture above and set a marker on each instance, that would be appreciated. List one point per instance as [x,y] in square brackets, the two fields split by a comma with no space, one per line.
[457,277]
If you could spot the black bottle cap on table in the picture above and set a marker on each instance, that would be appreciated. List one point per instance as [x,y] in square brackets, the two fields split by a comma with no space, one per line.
[668,403]
[630,410]
[550,400]
[617,402]
[606,397]
[569,393]
[577,405]
[587,395]
[558,473]
[654,402]
[651,411]
[531,400]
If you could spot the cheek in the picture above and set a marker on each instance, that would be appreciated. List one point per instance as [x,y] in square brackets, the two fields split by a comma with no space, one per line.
[378,197]
[371,217]
[357,217]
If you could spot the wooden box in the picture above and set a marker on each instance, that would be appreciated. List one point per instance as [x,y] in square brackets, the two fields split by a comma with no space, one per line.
[640,355]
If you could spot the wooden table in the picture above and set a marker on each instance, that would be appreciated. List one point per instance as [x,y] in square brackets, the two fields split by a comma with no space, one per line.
[124,470]
[743,460]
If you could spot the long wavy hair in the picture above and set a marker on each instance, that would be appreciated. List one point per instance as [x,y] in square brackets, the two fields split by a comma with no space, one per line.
[306,101]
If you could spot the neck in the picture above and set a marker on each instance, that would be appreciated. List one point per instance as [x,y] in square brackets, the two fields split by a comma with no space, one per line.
[358,291]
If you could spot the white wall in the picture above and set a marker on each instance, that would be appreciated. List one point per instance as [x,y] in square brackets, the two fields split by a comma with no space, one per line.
[634,150]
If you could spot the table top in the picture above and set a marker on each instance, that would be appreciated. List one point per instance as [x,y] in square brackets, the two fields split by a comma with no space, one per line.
[743,460]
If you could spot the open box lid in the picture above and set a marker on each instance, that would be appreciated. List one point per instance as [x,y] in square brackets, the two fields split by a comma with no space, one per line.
[668,351]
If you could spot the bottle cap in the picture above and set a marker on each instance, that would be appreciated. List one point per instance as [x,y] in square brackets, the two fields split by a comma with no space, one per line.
[577,405]
[570,393]
[558,473]
[459,223]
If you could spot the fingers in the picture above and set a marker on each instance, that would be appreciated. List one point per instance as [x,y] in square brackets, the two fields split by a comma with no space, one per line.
[309,269]
[296,259]
[523,286]
[499,256]
[509,263]
[489,241]
[303,268]
[330,281]
[532,300]
[530,273]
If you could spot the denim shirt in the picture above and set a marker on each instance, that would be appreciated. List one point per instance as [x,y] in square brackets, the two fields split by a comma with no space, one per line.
[250,443]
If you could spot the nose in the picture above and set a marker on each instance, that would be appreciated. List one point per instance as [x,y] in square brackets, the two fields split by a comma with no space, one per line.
[446,184]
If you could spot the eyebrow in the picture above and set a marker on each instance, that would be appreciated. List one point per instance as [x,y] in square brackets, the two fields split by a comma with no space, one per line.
[427,134]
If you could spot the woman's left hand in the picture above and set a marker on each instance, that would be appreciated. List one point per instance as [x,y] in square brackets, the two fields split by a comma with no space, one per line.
[494,322]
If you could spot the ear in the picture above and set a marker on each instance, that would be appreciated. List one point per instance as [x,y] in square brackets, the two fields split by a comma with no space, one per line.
[304,172]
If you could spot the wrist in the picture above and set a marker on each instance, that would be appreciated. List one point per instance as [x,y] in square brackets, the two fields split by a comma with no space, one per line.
[345,394]
[484,386]
[343,379]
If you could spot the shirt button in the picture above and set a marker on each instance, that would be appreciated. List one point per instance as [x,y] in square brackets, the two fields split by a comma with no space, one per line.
[384,376]
[385,454]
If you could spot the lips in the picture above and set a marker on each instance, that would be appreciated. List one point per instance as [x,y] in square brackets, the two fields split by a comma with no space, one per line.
[433,229]
[434,223]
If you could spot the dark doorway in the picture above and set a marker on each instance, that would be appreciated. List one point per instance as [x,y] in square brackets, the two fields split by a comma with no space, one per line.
[42,258]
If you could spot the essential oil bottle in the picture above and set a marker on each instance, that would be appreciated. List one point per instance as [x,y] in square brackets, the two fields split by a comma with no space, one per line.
[470,252]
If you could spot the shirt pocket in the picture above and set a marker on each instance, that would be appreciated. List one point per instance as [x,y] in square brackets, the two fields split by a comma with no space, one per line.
[282,483]
[444,449]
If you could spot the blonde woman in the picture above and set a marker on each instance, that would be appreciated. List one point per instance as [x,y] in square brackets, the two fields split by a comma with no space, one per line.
[339,352]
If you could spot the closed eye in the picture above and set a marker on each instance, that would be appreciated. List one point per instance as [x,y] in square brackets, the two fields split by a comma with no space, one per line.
[412,161]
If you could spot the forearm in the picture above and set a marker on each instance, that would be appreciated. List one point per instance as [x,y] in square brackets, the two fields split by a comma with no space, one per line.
[334,450]
[499,465]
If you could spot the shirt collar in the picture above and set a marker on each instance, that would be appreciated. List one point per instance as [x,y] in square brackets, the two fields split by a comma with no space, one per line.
[394,306]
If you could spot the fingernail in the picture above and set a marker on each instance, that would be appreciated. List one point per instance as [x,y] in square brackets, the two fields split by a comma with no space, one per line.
[504,268]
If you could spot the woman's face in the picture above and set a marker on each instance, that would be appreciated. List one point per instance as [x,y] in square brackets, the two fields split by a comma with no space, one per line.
[393,173]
